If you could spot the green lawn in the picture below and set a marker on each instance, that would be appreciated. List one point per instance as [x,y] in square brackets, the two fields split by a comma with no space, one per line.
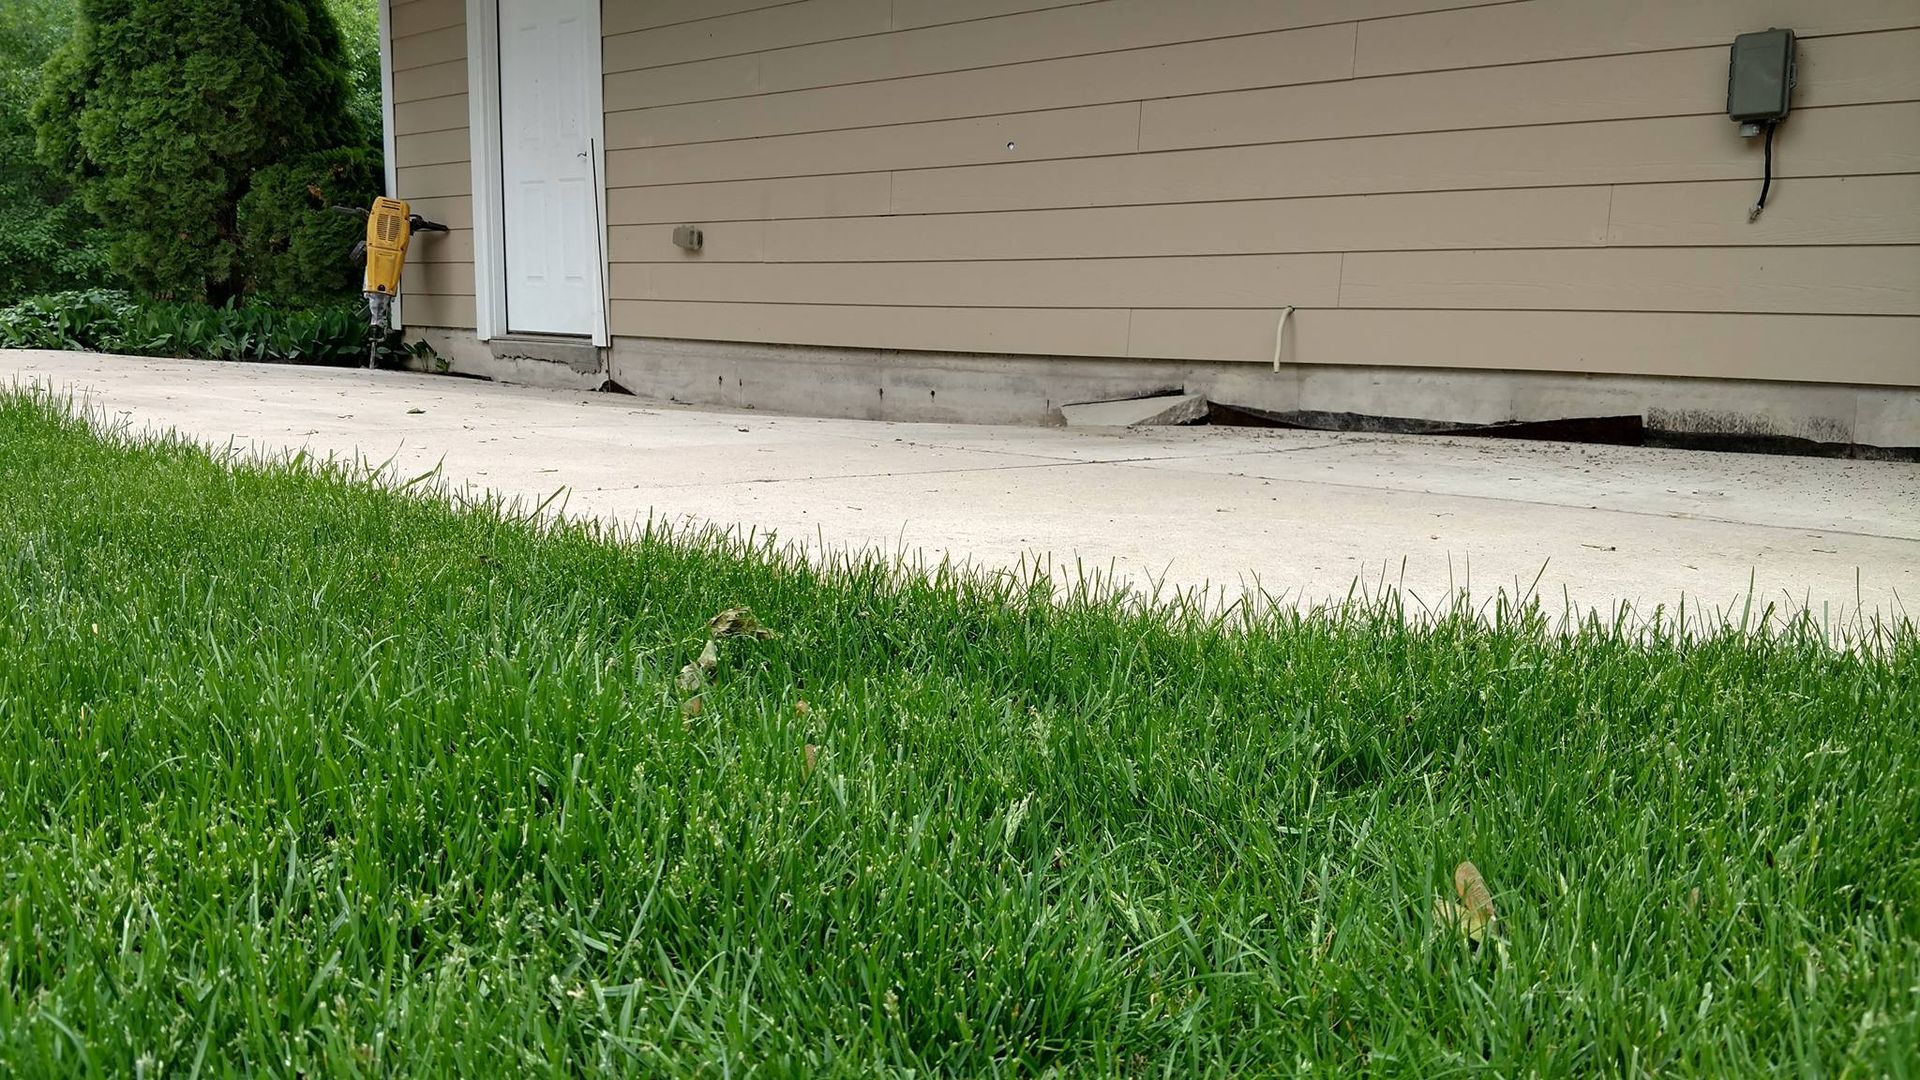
[299,776]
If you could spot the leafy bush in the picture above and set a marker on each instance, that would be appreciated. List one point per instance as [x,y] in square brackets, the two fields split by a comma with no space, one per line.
[71,320]
[295,249]
[48,241]
[359,25]
[160,114]
[102,320]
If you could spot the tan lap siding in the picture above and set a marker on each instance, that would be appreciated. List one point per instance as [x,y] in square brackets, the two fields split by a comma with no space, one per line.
[433,157]
[1537,185]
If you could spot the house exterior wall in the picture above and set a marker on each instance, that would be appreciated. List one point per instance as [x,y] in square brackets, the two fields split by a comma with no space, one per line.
[435,171]
[1544,186]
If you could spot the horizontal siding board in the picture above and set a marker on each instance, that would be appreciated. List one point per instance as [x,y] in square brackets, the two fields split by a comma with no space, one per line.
[1065,133]
[624,16]
[800,197]
[912,14]
[1878,350]
[1552,217]
[1868,68]
[1221,281]
[453,211]
[1043,35]
[1559,29]
[455,246]
[1056,332]
[1110,26]
[1293,56]
[435,114]
[433,148]
[1813,211]
[432,81]
[1823,210]
[1803,280]
[1856,68]
[440,278]
[737,241]
[1546,217]
[451,312]
[754,31]
[733,76]
[426,16]
[435,47]
[1808,210]
[428,181]
[1859,139]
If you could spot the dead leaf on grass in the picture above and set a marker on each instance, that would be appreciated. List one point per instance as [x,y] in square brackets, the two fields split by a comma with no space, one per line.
[812,755]
[736,622]
[692,708]
[1472,915]
[695,675]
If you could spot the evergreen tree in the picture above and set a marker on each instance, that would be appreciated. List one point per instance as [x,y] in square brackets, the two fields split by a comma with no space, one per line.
[161,111]
[48,241]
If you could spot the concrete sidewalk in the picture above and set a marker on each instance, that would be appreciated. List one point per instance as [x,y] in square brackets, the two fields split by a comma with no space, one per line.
[1302,514]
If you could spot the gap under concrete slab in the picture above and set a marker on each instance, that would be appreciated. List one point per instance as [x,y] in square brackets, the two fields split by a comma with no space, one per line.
[878,384]
[950,387]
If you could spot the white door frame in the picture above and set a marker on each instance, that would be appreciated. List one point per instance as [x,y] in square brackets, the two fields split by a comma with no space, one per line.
[489,196]
[387,135]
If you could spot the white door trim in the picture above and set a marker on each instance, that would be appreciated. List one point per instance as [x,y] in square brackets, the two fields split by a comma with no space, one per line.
[489,203]
[489,198]
[597,128]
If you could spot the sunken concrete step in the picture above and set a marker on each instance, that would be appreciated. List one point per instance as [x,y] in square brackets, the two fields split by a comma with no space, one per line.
[1161,411]
[577,353]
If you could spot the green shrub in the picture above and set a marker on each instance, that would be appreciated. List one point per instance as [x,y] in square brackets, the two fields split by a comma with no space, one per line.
[48,241]
[359,25]
[71,320]
[160,114]
[101,320]
[295,249]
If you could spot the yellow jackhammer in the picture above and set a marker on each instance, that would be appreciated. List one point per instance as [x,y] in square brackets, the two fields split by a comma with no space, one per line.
[390,228]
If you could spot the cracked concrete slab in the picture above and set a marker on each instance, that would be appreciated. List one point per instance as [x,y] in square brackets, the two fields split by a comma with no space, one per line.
[1304,514]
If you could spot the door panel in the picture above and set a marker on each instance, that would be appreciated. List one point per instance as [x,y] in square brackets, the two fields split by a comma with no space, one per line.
[549,57]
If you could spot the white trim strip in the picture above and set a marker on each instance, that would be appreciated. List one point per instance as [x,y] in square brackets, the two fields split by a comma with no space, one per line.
[489,200]
[387,137]
[597,128]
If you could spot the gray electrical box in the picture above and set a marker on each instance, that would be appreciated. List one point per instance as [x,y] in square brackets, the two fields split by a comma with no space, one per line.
[689,238]
[1760,77]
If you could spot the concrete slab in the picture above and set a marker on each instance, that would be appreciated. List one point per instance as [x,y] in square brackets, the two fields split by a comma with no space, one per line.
[1303,514]
[578,354]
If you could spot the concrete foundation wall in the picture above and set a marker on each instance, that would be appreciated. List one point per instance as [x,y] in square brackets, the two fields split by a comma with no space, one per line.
[463,354]
[878,384]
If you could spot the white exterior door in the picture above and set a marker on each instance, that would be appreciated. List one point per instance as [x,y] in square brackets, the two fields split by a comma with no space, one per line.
[549,65]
